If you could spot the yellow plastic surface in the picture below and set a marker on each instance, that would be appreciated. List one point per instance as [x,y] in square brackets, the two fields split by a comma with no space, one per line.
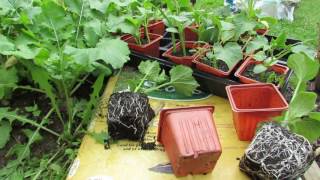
[125,160]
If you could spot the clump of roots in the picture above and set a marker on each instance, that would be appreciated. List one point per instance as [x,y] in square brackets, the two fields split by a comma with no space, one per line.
[128,115]
[276,153]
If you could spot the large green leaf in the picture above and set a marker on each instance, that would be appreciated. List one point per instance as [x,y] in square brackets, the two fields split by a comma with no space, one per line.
[181,78]
[304,49]
[308,128]
[151,69]
[231,53]
[112,51]
[92,32]
[5,130]
[6,45]
[304,68]
[302,104]
[260,42]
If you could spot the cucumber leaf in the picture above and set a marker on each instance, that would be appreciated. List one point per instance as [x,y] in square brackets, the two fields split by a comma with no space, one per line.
[231,53]
[5,130]
[181,78]
[304,68]
[302,105]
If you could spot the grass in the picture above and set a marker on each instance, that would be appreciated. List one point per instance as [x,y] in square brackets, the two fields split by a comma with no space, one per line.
[304,26]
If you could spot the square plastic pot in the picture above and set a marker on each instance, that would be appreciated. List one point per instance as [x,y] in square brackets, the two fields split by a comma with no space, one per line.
[190,34]
[276,68]
[190,139]
[262,32]
[214,71]
[252,104]
[156,27]
[151,49]
[185,60]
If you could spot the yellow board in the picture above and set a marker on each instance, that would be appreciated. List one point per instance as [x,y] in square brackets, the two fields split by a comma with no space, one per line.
[126,160]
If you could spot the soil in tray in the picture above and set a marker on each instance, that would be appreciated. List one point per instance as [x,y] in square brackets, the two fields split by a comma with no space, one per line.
[262,77]
[143,41]
[24,98]
[179,52]
[221,65]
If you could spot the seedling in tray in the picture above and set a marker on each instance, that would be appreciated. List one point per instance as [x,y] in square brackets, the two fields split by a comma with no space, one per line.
[129,112]
[262,57]
[283,150]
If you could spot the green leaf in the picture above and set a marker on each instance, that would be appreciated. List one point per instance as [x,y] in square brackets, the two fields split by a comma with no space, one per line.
[8,80]
[5,130]
[260,42]
[151,69]
[259,68]
[302,104]
[260,56]
[308,128]
[112,51]
[92,32]
[315,116]
[304,49]
[31,135]
[304,68]
[172,30]
[227,35]
[99,137]
[181,78]
[99,5]
[18,150]
[94,99]
[231,53]
[74,6]
[280,41]
[6,45]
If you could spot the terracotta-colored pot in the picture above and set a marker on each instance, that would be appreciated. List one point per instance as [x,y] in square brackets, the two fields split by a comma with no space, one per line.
[125,36]
[190,139]
[190,34]
[276,68]
[151,49]
[185,60]
[262,31]
[252,104]
[156,27]
[209,69]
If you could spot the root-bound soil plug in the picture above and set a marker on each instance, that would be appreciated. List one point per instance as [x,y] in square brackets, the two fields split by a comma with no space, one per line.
[276,153]
[128,115]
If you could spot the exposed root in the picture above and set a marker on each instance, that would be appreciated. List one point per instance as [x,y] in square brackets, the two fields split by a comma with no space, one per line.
[276,153]
[128,115]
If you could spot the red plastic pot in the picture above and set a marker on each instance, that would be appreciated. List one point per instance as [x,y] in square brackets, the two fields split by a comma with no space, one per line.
[209,69]
[190,34]
[156,27]
[151,48]
[276,68]
[262,31]
[190,139]
[185,60]
[252,104]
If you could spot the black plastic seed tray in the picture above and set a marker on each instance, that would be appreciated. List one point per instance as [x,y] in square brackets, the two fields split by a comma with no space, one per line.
[208,82]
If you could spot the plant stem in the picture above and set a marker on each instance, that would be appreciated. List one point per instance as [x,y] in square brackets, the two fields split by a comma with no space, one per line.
[146,29]
[79,84]
[286,117]
[158,87]
[32,122]
[30,88]
[78,26]
[34,135]
[182,41]
[69,107]
[141,83]
[173,39]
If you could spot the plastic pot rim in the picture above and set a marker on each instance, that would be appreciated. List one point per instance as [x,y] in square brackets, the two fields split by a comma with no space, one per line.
[248,86]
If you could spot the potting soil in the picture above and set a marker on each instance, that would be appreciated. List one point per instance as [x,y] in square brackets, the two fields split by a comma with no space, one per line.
[132,160]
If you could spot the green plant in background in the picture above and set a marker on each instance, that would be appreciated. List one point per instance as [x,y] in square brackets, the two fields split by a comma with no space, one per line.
[270,53]
[180,78]
[60,45]
[300,117]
